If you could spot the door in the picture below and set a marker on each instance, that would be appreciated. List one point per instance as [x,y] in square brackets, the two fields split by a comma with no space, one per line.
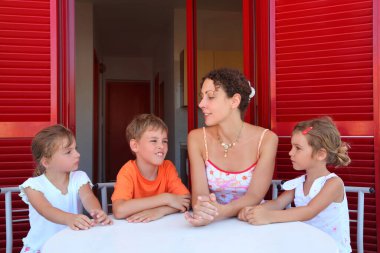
[124,100]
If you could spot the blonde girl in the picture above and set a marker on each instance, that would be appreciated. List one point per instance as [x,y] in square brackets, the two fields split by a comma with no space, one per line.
[53,194]
[318,195]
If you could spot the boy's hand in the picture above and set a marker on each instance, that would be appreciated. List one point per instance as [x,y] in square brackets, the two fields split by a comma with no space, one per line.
[259,215]
[243,213]
[146,215]
[100,217]
[79,222]
[180,202]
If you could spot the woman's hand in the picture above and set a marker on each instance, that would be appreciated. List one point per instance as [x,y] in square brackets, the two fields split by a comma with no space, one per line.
[205,211]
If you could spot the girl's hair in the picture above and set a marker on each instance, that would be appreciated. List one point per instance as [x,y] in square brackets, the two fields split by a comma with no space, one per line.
[46,143]
[232,82]
[141,123]
[322,133]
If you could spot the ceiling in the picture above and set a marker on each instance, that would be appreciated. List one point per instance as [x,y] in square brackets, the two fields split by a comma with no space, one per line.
[132,28]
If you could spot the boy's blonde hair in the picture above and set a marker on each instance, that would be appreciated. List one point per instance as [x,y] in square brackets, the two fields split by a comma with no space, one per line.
[142,123]
[322,133]
[46,142]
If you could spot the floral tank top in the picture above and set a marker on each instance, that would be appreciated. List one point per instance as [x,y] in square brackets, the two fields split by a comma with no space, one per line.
[226,185]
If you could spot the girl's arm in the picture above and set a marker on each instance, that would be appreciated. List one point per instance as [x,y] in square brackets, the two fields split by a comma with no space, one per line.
[125,208]
[332,191]
[92,205]
[53,214]
[281,202]
[261,179]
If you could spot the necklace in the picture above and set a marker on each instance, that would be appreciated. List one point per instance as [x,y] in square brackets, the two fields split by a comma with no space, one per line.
[227,146]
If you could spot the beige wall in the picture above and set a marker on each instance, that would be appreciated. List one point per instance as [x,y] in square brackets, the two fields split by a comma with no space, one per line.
[84,83]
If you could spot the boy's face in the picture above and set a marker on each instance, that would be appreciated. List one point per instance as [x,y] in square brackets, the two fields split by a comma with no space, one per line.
[152,147]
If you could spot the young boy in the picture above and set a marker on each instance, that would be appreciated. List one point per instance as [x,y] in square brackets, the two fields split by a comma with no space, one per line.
[149,187]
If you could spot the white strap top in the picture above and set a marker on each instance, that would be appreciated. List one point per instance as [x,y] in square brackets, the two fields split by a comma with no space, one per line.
[226,185]
[334,220]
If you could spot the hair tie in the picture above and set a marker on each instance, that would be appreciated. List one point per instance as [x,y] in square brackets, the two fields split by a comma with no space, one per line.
[307,130]
[253,92]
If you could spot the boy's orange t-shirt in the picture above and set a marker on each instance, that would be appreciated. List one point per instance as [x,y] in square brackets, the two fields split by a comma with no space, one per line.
[130,184]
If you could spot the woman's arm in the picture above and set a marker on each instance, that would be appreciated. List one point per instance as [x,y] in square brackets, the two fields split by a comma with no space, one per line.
[199,185]
[332,191]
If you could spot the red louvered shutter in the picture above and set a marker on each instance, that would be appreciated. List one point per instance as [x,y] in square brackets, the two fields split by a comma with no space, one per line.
[28,93]
[324,65]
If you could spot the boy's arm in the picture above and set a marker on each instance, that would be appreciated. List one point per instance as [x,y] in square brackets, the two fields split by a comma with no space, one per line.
[332,191]
[152,214]
[125,208]
[53,214]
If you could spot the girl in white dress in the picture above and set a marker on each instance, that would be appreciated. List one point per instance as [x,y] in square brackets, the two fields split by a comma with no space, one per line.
[55,191]
[319,195]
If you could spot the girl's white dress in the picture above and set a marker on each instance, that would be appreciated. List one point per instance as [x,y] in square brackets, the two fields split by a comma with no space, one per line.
[42,229]
[334,220]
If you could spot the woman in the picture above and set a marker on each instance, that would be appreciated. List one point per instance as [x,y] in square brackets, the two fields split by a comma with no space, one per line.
[231,161]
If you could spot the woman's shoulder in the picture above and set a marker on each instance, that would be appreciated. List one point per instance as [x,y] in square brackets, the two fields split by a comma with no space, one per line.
[198,133]
[261,132]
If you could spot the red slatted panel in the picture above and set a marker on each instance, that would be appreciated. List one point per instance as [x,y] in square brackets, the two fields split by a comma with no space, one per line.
[323,65]
[28,93]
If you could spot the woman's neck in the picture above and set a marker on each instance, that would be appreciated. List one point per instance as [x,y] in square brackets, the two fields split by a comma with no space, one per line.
[229,130]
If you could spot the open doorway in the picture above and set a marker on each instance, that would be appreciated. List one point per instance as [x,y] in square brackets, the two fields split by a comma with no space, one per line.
[135,41]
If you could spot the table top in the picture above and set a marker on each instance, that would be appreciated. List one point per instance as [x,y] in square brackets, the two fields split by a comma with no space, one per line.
[172,234]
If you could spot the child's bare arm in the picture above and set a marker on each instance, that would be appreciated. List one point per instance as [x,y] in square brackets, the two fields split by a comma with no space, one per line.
[281,202]
[151,214]
[44,208]
[92,205]
[125,208]
[332,191]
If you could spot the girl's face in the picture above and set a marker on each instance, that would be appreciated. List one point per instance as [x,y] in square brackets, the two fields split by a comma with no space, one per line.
[65,158]
[152,147]
[301,153]
[214,103]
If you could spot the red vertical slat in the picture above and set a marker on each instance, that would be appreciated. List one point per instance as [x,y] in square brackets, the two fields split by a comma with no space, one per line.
[325,61]
[191,44]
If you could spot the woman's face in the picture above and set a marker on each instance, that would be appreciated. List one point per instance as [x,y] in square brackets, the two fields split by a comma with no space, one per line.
[214,103]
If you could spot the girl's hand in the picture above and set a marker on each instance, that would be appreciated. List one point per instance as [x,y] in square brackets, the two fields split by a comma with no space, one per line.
[243,213]
[180,202]
[259,215]
[146,216]
[100,217]
[79,222]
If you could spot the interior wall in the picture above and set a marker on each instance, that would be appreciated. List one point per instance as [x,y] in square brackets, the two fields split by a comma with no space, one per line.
[163,64]
[215,26]
[84,83]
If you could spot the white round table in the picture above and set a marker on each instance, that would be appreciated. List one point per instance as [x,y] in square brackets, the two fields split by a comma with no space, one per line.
[172,234]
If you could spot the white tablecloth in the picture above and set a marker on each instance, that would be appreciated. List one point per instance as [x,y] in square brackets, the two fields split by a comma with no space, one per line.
[172,234]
